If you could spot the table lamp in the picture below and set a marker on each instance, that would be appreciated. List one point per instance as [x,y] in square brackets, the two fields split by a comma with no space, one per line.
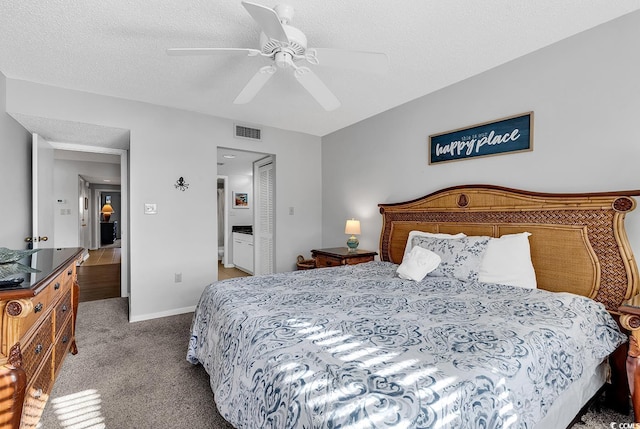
[106,211]
[352,228]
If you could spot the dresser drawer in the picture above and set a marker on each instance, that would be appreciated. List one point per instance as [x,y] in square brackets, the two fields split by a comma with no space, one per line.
[62,345]
[62,311]
[37,347]
[60,286]
[36,396]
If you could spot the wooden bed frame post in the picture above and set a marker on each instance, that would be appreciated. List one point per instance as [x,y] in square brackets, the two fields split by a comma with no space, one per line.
[632,323]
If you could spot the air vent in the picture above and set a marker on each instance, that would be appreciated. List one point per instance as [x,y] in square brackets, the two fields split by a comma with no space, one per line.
[248,133]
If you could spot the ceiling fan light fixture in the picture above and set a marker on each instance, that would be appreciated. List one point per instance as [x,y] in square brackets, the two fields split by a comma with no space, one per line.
[286,46]
[283,59]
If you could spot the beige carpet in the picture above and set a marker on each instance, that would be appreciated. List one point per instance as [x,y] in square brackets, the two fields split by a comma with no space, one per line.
[130,375]
[135,375]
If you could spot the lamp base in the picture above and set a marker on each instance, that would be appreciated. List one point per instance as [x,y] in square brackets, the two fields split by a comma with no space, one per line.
[107,216]
[352,243]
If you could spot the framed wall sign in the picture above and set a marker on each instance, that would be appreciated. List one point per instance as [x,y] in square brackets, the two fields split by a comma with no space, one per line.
[507,135]
[240,200]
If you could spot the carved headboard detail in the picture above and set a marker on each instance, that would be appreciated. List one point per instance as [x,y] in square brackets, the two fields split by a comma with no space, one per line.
[578,241]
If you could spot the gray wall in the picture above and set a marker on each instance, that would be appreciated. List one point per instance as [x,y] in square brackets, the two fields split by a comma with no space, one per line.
[585,94]
[15,178]
[166,144]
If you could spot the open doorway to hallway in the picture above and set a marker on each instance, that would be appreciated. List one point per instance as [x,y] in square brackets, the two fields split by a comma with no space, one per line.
[97,227]
[100,274]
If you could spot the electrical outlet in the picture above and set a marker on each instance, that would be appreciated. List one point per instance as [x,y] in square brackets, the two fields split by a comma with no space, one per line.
[291,211]
[178,277]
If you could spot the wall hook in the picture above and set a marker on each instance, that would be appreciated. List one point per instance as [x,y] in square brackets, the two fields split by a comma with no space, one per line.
[180,184]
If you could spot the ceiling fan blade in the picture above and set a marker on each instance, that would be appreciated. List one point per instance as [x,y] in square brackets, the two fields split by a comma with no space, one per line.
[268,20]
[317,88]
[255,84]
[375,62]
[213,51]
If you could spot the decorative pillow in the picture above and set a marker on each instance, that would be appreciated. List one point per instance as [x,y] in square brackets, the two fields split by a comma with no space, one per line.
[417,264]
[461,258]
[413,234]
[507,261]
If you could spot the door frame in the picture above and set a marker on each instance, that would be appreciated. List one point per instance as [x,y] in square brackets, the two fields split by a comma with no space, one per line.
[42,199]
[125,278]
[84,217]
[225,257]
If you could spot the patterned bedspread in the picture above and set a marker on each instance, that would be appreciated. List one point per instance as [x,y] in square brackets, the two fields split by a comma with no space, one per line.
[357,347]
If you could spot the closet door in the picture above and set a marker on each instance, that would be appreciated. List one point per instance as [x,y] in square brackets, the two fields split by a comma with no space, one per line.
[264,231]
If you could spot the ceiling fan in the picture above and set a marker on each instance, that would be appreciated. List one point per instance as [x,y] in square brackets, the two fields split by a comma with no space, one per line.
[286,46]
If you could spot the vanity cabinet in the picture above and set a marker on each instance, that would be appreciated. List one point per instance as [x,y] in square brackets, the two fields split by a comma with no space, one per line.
[243,251]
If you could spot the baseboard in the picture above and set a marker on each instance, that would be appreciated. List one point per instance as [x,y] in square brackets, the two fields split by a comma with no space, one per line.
[173,312]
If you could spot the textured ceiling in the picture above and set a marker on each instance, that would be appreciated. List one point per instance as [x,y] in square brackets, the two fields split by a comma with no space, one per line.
[75,133]
[118,48]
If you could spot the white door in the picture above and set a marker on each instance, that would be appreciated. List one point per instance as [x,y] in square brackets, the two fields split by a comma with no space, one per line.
[42,193]
[264,220]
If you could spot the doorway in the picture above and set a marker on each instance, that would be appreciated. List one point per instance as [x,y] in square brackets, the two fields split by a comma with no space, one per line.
[238,220]
[87,165]
[99,275]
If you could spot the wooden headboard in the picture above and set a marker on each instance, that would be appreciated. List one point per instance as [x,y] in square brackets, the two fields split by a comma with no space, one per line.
[578,241]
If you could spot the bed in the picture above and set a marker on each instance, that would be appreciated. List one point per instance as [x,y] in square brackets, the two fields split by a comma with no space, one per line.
[358,346]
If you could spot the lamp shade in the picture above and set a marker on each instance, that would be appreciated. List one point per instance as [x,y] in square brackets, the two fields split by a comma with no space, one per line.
[352,227]
[106,211]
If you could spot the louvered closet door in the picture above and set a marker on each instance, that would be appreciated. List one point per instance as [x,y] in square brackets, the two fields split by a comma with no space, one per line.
[265,219]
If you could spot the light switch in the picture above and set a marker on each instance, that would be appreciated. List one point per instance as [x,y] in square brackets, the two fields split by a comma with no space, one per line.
[150,208]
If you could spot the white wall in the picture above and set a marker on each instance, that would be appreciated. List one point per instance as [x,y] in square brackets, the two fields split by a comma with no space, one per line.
[165,145]
[240,183]
[65,187]
[585,94]
[15,178]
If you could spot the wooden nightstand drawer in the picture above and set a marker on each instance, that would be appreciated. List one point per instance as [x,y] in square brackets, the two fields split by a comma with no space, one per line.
[337,256]
[327,261]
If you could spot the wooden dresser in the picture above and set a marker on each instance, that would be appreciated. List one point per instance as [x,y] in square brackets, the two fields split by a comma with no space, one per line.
[37,331]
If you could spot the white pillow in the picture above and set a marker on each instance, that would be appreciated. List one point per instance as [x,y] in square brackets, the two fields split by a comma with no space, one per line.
[418,263]
[507,261]
[412,234]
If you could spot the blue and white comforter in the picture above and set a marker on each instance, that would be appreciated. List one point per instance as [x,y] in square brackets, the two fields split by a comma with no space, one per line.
[357,347]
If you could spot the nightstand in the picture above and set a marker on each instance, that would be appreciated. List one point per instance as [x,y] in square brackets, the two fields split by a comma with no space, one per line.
[630,320]
[336,256]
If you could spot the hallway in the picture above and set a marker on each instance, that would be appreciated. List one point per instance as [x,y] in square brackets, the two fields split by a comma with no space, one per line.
[99,275]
